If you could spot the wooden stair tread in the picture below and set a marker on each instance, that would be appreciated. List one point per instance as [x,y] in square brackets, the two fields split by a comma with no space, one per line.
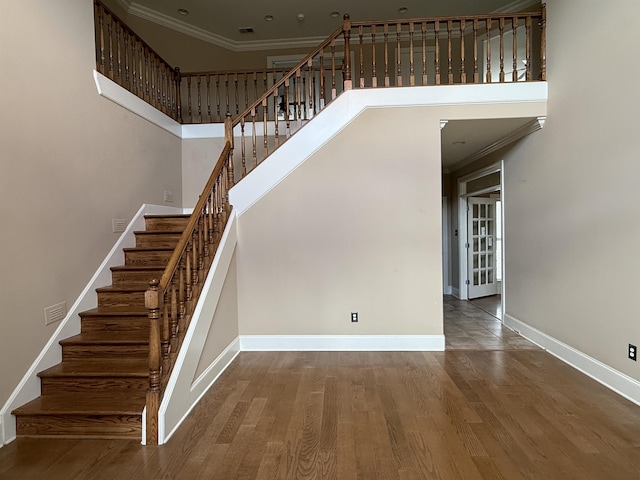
[157,232]
[107,338]
[135,268]
[99,368]
[167,215]
[122,288]
[134,311]
[70,404]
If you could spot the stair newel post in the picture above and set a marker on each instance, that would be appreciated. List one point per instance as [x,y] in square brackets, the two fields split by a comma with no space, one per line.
[228,137]
[346,28]
[178,80]
[153,395]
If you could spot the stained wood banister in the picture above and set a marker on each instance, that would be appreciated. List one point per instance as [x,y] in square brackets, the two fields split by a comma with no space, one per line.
[171,299]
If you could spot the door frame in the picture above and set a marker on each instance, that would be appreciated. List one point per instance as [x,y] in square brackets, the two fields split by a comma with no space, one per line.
[462,224]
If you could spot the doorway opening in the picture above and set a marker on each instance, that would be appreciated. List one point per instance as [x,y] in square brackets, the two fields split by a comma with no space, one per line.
[480,243]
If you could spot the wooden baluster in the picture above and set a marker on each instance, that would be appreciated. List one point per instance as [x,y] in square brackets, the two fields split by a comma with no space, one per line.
[200,237]
[226,91]
[476,74]
[188,280]
[173,342]
[246,90]
[543,43]
[425,78]
[449,53]
[199,79]
[119,52]
[322,85]
[265,120]
[102,59]
[310,84]
[374,73]
[412,74]
[285,102]
[228,137]
[255,87]
[253,138]
[152,77]
[463,69]
[209,117]
[153,394]
[182,294]
[195,267]
[205,234]
[218,117]
[360,37]
[211,226]
[501,29]
[334,92]
[436,29]
[298,108]
[303,112]
[386,55]
[488,26]
[314,88]
[276,107]
[235,86]
[398,56]
[189,110]
[243,148]
[514,33]
[165,337]
[528,49]
[178,78]
[110,37]
[346,26]
[127,60]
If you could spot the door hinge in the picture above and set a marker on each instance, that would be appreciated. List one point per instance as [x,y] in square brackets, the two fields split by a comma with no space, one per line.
[466,245]
[467,282]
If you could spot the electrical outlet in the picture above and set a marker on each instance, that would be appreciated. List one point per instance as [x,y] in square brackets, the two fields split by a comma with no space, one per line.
[633,352]
[168,196]
[354,316]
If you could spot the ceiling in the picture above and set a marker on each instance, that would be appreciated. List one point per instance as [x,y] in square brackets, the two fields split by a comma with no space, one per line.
[218,22]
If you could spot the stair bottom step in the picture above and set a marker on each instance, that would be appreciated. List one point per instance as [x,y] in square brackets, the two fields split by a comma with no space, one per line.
[80,426]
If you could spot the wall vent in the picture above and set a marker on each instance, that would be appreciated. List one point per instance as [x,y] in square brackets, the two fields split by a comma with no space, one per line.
[118,225]
[245,29]
[55,313]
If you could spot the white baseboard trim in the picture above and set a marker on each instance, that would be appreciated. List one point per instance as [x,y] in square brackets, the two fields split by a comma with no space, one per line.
[398,343]
[617,381]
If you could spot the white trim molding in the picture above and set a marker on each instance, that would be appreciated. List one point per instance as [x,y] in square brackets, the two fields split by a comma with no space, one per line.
[352,343]
[611,378]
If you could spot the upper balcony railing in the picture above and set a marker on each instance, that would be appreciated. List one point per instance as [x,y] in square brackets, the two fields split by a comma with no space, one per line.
[409,52]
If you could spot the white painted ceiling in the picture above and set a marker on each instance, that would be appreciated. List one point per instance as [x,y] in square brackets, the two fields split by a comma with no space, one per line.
[218,21]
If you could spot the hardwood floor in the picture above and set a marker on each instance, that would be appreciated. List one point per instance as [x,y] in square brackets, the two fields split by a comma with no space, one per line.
[496,408]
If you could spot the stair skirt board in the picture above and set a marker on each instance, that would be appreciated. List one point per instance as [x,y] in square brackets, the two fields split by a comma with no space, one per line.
[29,387]
[336,343]
[183,392]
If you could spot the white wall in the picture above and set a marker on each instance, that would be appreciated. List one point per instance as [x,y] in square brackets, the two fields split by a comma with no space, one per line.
[70,162]
[571,196]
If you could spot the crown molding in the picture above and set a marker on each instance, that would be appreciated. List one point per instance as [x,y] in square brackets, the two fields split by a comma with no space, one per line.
[151,15]
[526,129]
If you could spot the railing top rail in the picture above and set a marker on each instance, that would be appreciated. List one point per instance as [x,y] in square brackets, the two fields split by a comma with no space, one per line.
[406,21]
[239,71]
[131,32]
[191,225]
[290,73]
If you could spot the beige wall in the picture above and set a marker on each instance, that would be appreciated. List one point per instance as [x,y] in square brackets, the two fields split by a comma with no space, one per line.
[224,327]
[355,228]
[570,196]
[71,161]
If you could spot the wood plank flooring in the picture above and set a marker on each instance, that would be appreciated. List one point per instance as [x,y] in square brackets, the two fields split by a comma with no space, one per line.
[508,411]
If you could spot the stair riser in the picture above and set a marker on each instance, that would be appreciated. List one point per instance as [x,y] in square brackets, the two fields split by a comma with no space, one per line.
[119,324]
[134,278]
[147,259]
[77,352]
[160,240]
[121,299]
[91,385]
[100,426]
[173,224]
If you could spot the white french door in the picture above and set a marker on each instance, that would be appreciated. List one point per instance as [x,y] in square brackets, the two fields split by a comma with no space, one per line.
[481,247]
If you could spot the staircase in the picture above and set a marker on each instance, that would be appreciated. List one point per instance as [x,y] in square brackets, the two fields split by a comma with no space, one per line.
[99,388]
